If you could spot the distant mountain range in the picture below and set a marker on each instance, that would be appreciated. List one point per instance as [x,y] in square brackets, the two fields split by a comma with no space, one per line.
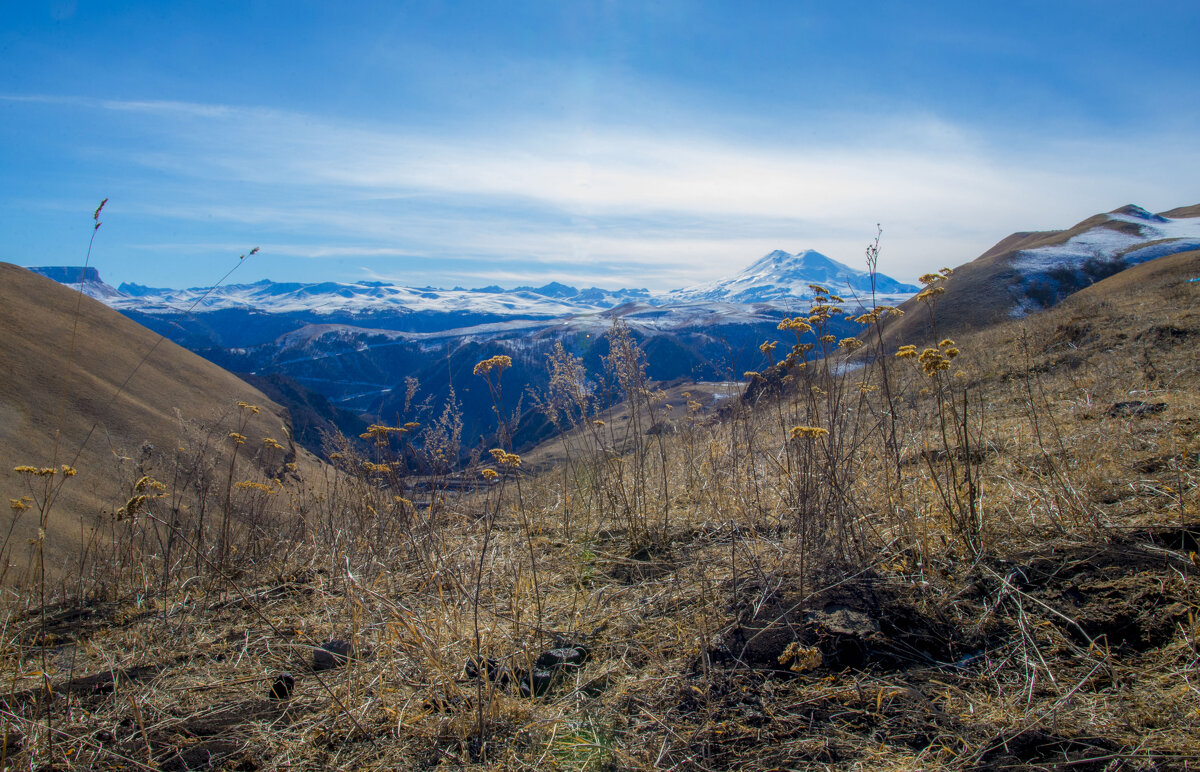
[341,352]
[779,278]
[344,352]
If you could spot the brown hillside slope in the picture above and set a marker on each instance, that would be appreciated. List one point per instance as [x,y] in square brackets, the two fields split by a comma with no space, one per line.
[981,293]
[105,422]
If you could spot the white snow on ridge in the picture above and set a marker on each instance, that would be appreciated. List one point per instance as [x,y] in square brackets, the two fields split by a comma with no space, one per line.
[331,297]
[1158,236]
[779,279]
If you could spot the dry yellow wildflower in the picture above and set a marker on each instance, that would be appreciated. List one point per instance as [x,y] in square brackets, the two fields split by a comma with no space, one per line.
[808,431]
[238,439]
[850,344]
[597,423]
[271,443]
[148,483]
[499,363]
[818,289]
[248,406]
[796,325]
[906,352]
[505,459]
[490,474]
[767,346]
[933,361]
[828,338]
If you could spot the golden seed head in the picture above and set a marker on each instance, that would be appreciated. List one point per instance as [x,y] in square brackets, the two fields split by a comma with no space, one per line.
[499,363]
[504,458]
[490,474]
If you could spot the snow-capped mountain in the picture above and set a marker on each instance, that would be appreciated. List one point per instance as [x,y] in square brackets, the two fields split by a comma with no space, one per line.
[357,298]
[781,277]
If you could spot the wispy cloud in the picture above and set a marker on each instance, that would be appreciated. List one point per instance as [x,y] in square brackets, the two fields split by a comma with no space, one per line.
[606,200]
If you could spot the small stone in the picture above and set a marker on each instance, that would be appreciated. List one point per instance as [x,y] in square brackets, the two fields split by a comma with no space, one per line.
[563,657]
[478,667]
[330,655]
[283,686]
[1135,409]
[537,682]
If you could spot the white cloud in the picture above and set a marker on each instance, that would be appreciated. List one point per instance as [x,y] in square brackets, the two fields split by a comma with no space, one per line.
[686,206]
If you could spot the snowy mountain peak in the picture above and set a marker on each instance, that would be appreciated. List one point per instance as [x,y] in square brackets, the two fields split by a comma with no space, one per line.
[783,276]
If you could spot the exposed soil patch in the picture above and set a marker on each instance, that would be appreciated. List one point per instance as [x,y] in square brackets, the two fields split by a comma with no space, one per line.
[866,622]
[1128,595]
[879,661]
[1036,748]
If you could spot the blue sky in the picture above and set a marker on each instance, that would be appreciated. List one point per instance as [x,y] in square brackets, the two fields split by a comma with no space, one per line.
[650,144]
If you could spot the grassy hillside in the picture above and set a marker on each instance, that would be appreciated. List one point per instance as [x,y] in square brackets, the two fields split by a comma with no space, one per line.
[88,388]
[990,288]
[979,556]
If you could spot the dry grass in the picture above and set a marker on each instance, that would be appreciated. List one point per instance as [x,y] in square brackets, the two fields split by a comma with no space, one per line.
[1005,584]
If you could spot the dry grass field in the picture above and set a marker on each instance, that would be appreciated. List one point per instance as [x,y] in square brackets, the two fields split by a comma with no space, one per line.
[980,555]
[86,387]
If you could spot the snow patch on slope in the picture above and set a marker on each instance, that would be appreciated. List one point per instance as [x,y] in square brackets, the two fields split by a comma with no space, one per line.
[1156,236]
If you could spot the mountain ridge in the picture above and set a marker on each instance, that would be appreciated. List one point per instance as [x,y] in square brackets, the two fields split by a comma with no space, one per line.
[778,277]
